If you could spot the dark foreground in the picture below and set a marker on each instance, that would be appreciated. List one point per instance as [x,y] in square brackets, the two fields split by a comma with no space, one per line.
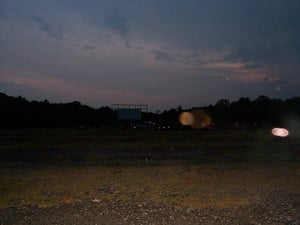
[130,177]
[275,208]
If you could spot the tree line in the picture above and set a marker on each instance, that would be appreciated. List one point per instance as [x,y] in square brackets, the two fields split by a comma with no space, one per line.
[19,112]
[261,112]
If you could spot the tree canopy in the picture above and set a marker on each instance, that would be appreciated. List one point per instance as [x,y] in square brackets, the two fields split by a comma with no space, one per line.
[263,111]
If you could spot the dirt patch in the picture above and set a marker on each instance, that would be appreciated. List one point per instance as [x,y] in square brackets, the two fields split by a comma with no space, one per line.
[275,208]
[197,186]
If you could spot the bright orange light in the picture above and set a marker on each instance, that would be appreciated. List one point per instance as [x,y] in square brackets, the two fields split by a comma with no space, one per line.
[186,119]
[280,132]
[197,119]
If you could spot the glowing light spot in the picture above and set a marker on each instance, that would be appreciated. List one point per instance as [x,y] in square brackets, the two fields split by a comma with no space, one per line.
[280,132]
[197,119]
[186,119]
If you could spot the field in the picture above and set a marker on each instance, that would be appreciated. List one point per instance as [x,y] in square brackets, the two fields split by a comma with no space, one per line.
[184,169]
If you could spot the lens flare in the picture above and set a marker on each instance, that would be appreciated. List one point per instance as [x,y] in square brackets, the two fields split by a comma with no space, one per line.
[186,119]
[197,119]
[202,120]
[280,132]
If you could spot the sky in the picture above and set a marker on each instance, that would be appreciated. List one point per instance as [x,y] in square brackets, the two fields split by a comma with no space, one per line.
[163,53]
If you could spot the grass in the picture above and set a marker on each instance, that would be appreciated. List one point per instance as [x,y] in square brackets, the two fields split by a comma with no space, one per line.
[46,167]
[120,146]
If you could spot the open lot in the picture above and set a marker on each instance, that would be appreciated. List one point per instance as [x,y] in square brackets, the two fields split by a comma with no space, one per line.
[177,170]
[139,147]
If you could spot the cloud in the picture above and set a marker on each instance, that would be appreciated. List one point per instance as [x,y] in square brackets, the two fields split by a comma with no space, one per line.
[269,53]
[162,56]
[181,59]
[175,56]
[88,47]
[224,65]
[2,7]
[154,47]
[48,28]
[117,23]
[242,71]
[130,46]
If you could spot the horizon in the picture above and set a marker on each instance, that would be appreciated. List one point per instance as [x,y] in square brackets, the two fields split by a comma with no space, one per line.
[149,107]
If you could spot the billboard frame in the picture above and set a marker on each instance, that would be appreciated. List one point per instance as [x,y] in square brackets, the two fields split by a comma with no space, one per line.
[135,108]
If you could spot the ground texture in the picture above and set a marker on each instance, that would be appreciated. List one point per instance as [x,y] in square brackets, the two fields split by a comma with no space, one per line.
[274,208]
[105,177]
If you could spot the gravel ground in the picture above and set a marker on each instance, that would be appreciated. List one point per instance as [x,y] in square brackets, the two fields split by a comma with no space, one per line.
[276,208]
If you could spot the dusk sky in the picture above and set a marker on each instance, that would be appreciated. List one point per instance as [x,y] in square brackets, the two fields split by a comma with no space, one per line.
[163,53]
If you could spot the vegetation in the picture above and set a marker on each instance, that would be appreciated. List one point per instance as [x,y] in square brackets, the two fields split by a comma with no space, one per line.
[261,112]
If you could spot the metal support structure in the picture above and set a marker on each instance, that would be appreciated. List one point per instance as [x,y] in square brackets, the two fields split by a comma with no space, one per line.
[143,108]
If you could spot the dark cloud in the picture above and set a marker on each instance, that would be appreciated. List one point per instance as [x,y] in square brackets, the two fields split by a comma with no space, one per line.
[89,47]
[281,82]
[2,7]
[191,59]
[162,56]
[273,33]
[117,23]
[48,28]
[130,46]
[265,53]
[188,59]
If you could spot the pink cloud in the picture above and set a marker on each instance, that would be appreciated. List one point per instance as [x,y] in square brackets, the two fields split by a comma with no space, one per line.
[224,65]
[238,71]
[71,90]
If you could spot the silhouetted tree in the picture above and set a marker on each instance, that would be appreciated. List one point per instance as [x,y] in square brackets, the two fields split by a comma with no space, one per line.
[263,111]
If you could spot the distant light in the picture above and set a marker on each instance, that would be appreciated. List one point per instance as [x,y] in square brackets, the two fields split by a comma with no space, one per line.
[280,132]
